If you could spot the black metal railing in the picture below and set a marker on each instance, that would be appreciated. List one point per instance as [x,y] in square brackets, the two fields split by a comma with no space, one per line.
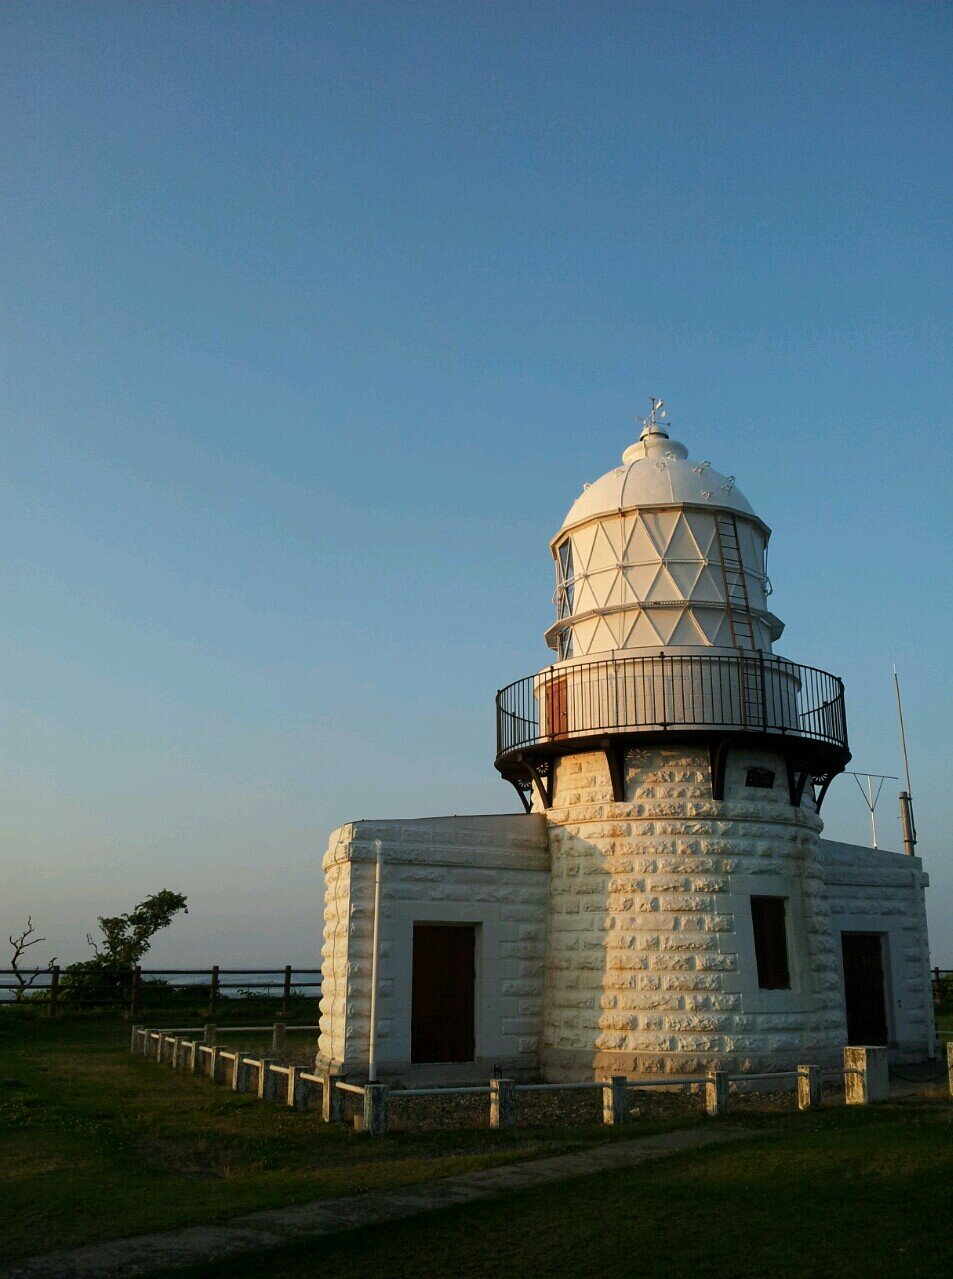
[754,693]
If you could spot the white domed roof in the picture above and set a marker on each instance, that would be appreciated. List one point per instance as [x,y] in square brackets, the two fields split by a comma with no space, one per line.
[657,471]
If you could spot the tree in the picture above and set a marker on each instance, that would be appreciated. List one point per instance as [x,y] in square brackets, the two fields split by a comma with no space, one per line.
[21,944]
[126,938]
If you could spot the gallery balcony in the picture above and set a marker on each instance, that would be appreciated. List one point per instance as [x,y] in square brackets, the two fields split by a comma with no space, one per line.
[719,700]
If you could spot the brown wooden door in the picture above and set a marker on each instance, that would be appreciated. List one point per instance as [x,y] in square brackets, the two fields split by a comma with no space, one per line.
[557,707]
[864,993]
[442,1009]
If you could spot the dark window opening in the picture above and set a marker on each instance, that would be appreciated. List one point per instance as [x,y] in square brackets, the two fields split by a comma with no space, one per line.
[566,586]
[770,942]
[762,777]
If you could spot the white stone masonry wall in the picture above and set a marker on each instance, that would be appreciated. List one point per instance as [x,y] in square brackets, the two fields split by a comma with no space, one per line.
[875,891]
[650,965]
[491,872]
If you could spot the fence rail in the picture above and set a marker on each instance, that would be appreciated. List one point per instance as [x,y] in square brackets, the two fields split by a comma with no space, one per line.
[196,993]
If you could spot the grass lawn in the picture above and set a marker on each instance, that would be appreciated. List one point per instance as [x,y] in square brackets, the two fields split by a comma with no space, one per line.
[846,1193]
[96,1143]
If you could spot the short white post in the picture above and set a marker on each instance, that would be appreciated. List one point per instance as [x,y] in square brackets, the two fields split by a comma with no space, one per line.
[716,1093]
[213,1058]
[266,1080]
[297,1094]
[176,1045]
[502,1103]
[194,1056]
[134,1041]
[332,1099]
[808,1087]
[375,944]
[866,1078]
[615,1100]
[376,1109]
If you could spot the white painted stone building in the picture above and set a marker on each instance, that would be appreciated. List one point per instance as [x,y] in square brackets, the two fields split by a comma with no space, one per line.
[665,902]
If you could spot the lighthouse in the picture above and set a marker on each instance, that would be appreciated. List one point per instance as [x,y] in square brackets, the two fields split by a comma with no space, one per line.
[681,765]
[664,901]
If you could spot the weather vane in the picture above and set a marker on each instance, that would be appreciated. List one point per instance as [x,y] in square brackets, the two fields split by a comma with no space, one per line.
[654,421]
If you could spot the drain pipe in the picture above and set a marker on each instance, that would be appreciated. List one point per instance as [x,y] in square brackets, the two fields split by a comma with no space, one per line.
[375,938]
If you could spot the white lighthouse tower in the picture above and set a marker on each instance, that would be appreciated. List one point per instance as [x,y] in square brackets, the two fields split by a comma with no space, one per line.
[665,903]
[681,766]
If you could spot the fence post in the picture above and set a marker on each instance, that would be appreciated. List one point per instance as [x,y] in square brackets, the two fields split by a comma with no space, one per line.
[865,1076]
[174,1059]
[213,991]
[502,1103]
[615,1100]
[210,1035]
[238,1079]
[134,993]
[297,1095]
[716,1093]
[194,1056]
[133,1045]
[286,993]
[266,1080]
[949,1063]
[278,1037]
[376,1109]
[332,1099]
[808,1087]
[213,1063]
[54,988]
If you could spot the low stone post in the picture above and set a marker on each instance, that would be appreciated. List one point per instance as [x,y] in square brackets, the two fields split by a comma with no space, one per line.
[615,1101]
[297,1094]
[239,1077]
[716,1093]
[266,1079]
[213,1057]
[210,1035]
[808,1087]
[332,1099]
[865,1076]
[278,1037]
[174,1060]
[502,1103]
[376,1109]
[168,1043]
[134,1040]
[194,1056]
[949,1063]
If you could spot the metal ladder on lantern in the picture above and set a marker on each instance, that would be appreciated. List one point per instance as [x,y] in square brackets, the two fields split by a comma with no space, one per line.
[740,622]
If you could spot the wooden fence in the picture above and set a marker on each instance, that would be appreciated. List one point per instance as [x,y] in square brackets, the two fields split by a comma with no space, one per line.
[197,993]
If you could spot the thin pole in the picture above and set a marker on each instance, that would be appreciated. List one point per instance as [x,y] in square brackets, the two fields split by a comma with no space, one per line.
[872,805]
[372,1039]
[908,823]
[903,736]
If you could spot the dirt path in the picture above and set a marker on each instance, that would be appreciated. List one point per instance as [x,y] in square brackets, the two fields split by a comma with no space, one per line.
[260,1231]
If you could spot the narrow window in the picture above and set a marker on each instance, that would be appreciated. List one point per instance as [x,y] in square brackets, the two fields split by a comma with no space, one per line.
[770,943]
[762,777]
[566,584]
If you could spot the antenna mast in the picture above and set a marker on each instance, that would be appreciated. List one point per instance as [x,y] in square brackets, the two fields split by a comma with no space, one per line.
[907,824]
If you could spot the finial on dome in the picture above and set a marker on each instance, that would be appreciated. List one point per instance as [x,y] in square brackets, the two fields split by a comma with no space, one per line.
[652,425]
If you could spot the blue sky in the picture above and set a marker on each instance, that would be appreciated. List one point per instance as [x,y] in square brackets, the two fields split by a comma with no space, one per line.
[317,317]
